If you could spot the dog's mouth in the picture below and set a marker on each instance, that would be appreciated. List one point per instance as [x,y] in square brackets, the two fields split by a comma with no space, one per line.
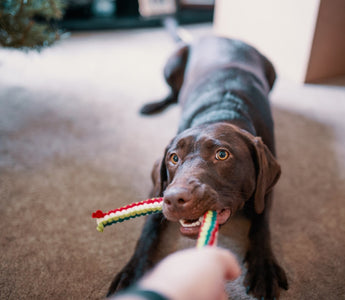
[191,227]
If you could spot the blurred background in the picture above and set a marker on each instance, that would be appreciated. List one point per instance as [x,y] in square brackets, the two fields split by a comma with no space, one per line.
[73,77]
[110,14]
[22,20]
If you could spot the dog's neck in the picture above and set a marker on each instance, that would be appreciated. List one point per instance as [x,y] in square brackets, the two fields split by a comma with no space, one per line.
[210,109]
[220,95]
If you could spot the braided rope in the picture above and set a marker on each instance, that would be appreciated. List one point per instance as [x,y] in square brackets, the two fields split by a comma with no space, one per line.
[127,212]
[208,230]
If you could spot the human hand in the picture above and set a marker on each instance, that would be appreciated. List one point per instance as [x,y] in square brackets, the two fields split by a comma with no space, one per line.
[193,274]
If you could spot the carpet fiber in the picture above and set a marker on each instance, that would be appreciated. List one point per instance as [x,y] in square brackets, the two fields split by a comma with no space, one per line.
[72,142]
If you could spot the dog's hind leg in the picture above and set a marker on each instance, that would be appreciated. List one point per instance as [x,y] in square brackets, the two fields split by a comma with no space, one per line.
[173,73]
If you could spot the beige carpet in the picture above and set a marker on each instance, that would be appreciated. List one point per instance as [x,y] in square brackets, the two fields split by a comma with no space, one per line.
[71,142]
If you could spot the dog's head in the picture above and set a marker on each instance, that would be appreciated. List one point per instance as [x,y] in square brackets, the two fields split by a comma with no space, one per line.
[215,167]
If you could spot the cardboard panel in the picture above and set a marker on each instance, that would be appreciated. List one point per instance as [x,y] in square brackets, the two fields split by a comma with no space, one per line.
[327,56]
[301,38]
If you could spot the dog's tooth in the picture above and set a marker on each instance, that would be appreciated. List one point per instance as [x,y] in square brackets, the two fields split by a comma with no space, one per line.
[185,224]
[197,223]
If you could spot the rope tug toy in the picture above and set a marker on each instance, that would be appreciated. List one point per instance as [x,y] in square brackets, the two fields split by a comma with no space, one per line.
[208,230]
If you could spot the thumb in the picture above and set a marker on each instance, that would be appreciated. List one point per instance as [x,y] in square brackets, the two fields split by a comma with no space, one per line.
[231,267]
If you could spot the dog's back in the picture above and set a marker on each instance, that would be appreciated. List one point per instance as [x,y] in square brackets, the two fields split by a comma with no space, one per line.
[227,80]
[214,53]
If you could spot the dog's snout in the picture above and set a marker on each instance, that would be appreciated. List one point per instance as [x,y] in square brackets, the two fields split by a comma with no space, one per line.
[177,197]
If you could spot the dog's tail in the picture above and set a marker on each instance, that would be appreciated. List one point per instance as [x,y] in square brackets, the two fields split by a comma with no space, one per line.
[179,34]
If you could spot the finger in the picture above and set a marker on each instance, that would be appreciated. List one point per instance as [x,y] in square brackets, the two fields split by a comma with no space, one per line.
[224,296]
[231,267]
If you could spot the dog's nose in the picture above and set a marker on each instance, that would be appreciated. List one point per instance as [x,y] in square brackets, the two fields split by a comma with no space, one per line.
[177,197]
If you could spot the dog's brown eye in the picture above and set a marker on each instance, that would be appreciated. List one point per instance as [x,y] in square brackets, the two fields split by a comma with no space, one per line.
[222,154]
[174,158]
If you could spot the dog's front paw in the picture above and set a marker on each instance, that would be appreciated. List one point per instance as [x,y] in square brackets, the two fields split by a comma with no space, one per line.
[264,277]
[122,280]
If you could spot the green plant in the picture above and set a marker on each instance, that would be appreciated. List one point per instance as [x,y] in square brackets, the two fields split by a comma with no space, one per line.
[29,23]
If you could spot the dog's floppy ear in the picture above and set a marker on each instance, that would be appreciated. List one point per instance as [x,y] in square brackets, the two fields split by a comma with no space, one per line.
[267,173]
[159,178]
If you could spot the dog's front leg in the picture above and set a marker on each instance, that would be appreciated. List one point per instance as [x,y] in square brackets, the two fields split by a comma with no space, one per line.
[264,277]
[144,254]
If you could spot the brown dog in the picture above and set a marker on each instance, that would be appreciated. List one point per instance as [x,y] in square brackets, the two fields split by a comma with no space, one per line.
[222,159]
